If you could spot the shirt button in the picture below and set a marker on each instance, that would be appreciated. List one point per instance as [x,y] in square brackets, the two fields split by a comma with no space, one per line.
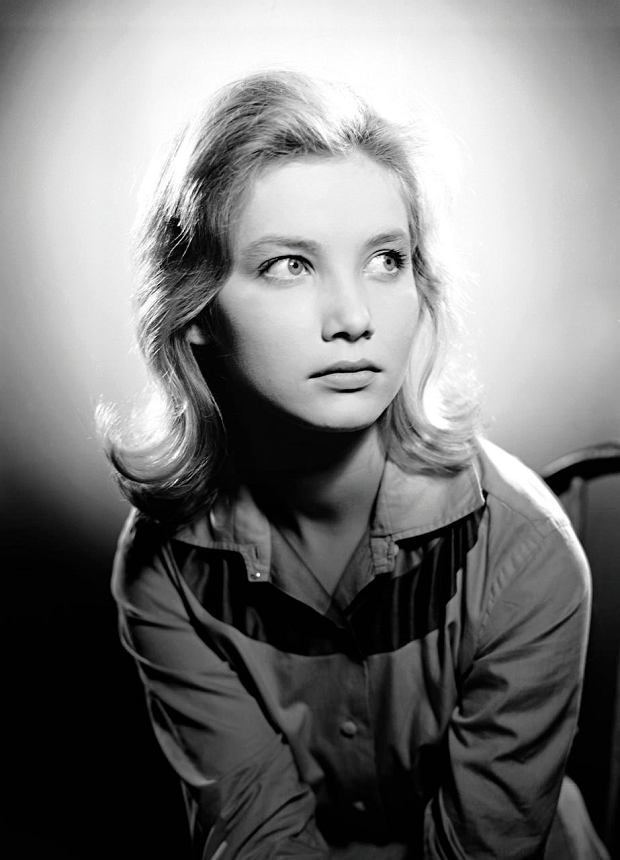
[256,574]
[348,729]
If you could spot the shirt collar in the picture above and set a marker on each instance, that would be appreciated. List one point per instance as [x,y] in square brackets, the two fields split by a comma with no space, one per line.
[412,504]
[408,505]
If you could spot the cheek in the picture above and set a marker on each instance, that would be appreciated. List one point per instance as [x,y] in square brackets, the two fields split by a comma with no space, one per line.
[239,326]
[405,322]
[260,340]
[398,318]
[265,324]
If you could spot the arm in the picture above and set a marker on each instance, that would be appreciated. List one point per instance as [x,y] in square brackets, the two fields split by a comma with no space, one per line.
[246,799]
[511,733]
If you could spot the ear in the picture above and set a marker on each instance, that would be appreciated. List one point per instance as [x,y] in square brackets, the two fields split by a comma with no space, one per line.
[195,335]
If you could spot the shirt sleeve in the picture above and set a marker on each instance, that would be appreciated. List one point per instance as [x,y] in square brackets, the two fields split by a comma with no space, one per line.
[511,732]
[244,795]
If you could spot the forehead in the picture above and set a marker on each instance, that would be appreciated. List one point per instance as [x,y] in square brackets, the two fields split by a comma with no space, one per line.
[324,199]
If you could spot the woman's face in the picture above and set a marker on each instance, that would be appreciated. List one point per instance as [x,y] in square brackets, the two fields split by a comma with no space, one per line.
[320,308]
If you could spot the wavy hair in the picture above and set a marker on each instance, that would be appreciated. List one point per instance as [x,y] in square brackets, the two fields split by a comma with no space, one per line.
[177,457]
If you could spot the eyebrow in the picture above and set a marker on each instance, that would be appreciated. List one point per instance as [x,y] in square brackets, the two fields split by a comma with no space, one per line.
[311,247]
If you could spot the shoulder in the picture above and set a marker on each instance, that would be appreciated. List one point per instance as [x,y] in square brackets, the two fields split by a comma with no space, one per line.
[529,535]
[508,483]
[140,554]
[140,538]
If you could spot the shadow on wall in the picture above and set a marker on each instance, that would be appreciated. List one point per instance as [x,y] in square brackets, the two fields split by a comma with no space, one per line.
[85,777]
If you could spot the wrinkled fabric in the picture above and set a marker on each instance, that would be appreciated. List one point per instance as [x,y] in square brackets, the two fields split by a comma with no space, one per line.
[572,835]
[424,710]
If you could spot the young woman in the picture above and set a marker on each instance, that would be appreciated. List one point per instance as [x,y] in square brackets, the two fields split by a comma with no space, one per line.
[361,628]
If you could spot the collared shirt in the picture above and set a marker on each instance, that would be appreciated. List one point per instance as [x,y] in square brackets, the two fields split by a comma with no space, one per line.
[425,710]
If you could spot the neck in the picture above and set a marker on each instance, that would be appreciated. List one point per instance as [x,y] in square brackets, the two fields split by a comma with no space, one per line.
[306,477]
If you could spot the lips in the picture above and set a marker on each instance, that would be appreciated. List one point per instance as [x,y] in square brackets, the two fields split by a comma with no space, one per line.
[347,367]
[347,376]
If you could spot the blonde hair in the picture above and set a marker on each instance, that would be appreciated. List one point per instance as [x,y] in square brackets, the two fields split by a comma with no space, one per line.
[176,463]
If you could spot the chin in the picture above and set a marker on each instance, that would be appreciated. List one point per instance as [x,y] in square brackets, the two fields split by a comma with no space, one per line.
[351,423]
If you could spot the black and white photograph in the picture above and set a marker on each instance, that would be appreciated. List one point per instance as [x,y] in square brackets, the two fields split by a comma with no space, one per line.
[310,362]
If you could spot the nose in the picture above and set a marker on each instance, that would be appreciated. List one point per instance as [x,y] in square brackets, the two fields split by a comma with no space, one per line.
[345,310]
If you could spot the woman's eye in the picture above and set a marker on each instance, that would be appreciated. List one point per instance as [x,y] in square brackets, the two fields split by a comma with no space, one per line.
[284,268]
[386,263]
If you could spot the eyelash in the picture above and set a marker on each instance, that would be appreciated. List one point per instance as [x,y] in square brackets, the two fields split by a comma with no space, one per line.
[399,258]
[264,267]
